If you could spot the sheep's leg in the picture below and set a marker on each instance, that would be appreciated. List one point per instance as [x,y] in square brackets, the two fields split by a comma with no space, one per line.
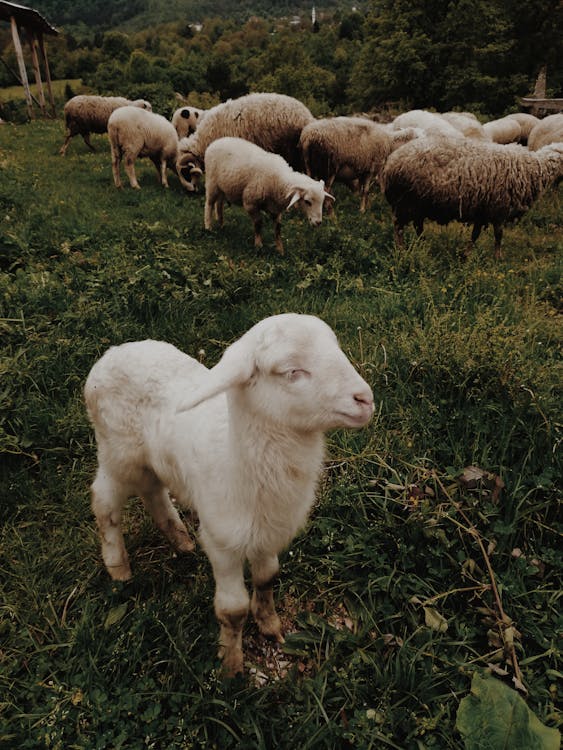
[167,519]
[108,499]
[256,217]
[277,233]
[86,139]
[497,228]
[475,232]
[231,603]
[219,209]
[364,188]
[115,165]
[398,232]
[264,573]
[64,147]
[161,167]
[328,185]
[130,171]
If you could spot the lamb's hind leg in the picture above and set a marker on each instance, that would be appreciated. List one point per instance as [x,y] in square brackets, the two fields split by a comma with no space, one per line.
[167,519]
[264,572]
[108,499]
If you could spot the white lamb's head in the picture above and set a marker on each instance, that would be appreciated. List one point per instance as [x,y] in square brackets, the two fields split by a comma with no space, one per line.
[289,370]
[310,196]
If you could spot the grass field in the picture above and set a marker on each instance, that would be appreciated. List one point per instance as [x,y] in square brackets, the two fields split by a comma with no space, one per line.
[407,582]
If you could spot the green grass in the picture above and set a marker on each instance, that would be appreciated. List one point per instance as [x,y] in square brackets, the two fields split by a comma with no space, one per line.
[464,361]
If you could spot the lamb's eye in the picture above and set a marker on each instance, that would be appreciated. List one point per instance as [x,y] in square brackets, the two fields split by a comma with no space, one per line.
[307,202]
[296,374]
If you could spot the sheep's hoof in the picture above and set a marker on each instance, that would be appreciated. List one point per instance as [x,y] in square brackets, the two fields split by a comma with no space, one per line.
[270,627]
[232,662]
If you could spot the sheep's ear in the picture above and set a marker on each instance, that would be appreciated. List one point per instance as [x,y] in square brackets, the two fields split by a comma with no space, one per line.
[235,367]
[295,196]
[329,197]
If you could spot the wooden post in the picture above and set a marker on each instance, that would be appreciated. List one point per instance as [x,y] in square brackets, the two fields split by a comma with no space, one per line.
[21,65]
[36,69]
[47,72]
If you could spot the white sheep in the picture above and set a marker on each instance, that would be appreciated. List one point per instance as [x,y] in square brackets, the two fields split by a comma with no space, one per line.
[271,121]
[186,120]
[466,123]
[85,114]
[527,122]
[546,131]
[349,149]
[134,133]
[504,130]
[244,174]
[242,444]
[471,181]
[430,122]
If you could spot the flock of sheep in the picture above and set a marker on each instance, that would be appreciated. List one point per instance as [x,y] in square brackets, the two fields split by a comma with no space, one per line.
[242,443]
[444,167]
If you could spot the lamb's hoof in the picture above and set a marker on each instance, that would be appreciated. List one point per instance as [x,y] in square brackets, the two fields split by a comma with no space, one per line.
[232,663]
[120,572]
[270,627]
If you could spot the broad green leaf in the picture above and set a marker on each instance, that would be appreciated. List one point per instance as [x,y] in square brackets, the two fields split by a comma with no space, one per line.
[495,717]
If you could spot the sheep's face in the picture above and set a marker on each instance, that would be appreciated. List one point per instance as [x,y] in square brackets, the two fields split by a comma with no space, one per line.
[302,379]
[310,200]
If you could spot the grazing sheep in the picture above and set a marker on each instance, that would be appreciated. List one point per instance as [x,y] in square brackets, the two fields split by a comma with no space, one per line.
[272,121]
[430,122]
[470,181]
[186,120]
[504,130]
[242,444]
[85,114]
[546,131]
[527,123]
[134,133]
[350,149]
[241,172]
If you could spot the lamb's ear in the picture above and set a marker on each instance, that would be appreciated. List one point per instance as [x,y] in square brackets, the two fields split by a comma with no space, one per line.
[235,367]
[329,197]
[295,196]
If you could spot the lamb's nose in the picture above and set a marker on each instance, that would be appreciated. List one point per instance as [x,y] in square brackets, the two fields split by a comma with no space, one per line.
[365,398]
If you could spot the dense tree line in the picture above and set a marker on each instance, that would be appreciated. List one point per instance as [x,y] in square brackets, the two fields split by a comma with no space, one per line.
[471,54]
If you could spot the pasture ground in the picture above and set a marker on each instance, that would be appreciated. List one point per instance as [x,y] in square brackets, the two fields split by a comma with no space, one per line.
[389,594]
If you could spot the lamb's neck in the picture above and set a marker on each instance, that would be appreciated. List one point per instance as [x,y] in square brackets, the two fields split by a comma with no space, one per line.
[283,462]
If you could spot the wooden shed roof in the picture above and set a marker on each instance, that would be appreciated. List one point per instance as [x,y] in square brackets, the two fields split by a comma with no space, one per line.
[26,17]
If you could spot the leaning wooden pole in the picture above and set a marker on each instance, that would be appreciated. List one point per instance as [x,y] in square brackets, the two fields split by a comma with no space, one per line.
[43,50]
[37,70]
[21,65]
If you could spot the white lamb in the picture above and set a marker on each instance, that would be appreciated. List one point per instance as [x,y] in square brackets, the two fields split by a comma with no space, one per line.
[430,122]
[241,172]
[242,444]
[349,149]
[85,114]
[136,133]
[186,120]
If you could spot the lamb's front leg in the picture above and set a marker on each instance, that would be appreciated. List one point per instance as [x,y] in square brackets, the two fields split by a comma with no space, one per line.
[231,602]
[264,573]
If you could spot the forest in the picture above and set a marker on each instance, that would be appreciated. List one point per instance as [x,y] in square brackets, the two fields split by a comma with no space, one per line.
[376,56]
